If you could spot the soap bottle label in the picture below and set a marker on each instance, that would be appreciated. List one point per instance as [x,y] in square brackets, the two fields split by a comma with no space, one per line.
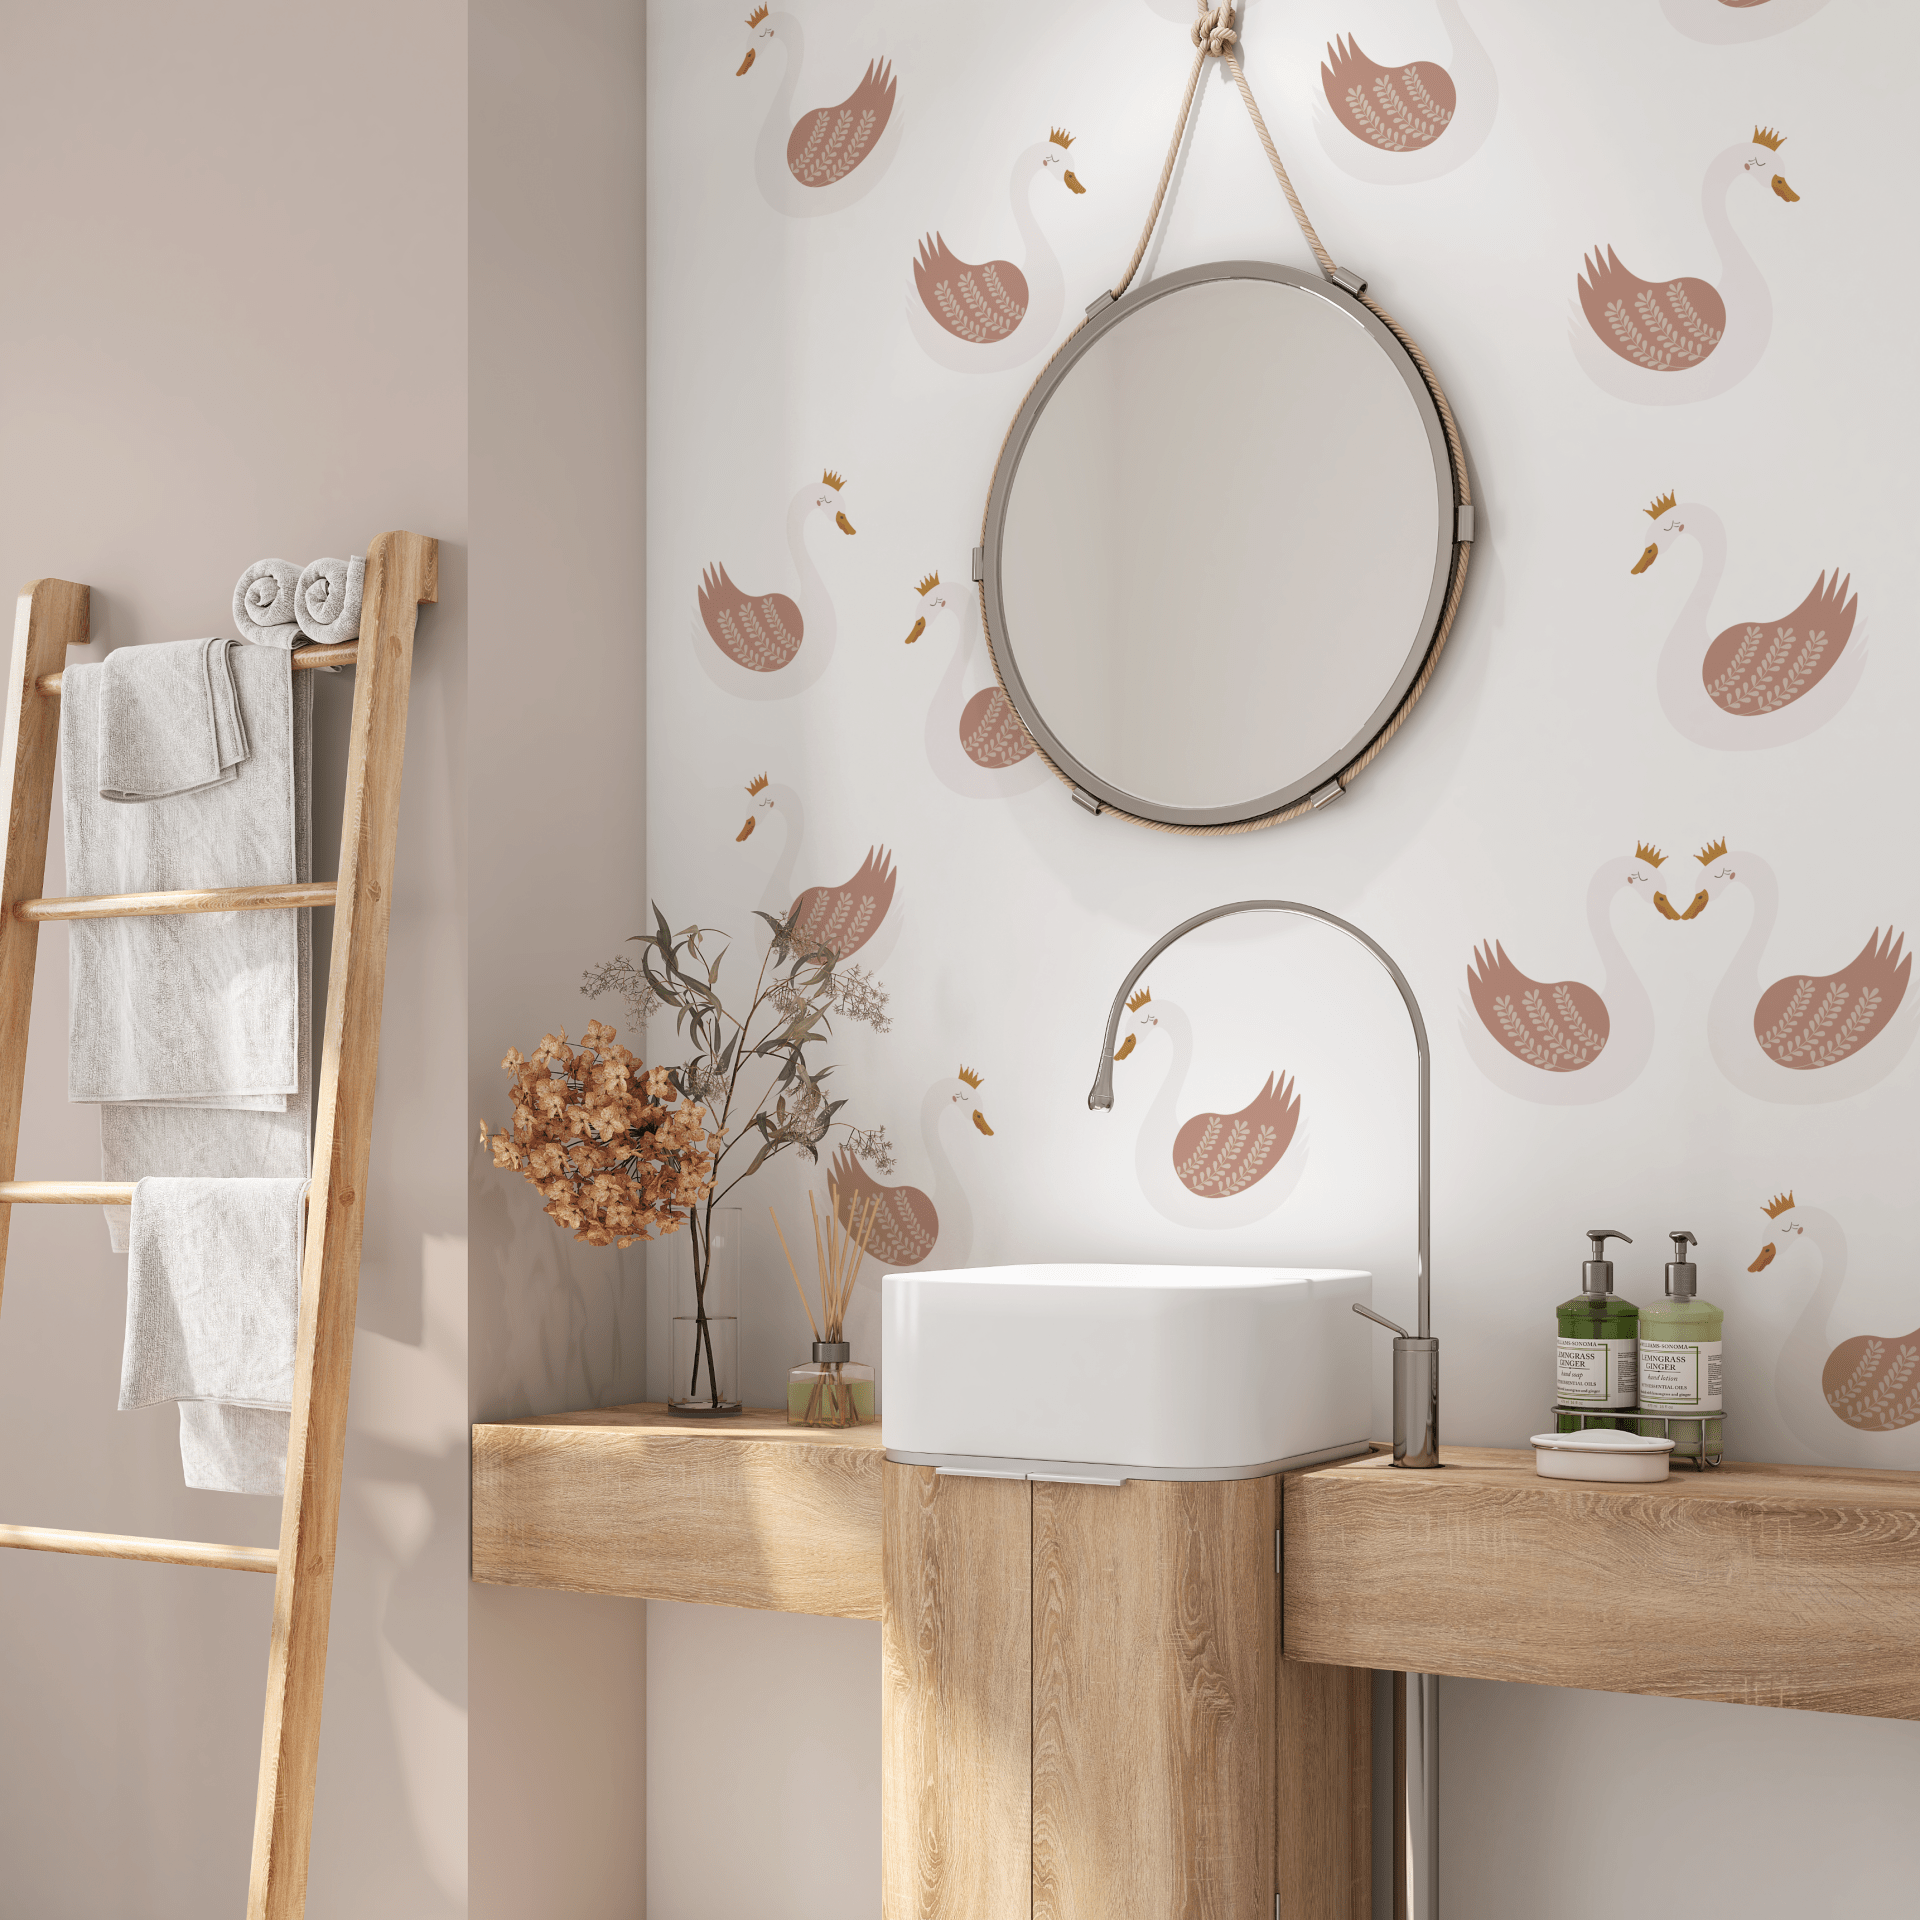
[1596,1373]
[1680,1373]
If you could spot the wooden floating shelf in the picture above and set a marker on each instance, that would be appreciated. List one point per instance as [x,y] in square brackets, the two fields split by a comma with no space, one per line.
[748,1512]
[1772,1586]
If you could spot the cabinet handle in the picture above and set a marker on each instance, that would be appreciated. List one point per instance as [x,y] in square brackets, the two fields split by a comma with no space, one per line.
[1072,1480]
[974,1473]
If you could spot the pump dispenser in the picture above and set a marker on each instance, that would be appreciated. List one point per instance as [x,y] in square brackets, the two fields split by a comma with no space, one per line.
[1680,1341]
[1597,1355]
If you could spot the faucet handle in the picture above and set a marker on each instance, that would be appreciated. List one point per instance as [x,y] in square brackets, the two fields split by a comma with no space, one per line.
[1381,1319]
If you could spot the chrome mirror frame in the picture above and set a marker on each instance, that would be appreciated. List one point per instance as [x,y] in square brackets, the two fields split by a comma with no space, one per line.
[1455,529]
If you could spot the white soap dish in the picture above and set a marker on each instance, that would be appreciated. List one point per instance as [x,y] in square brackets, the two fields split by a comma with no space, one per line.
[1602,1453]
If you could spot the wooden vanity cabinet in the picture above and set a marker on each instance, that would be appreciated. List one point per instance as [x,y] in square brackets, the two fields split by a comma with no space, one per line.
[1081,1699]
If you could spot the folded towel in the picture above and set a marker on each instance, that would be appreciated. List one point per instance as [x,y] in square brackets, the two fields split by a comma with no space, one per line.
[265,604]
[179,1139]
[233,1449]
[213,1315]
[327,602]
[169,720]
[201,1007]
[213,1292]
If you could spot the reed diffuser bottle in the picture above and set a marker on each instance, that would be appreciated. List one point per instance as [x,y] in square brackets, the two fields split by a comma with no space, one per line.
[832,1389]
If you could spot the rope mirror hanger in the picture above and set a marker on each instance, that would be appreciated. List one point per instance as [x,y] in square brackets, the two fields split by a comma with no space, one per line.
[1214,37]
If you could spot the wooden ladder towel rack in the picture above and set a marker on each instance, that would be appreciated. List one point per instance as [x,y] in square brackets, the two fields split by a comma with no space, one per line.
[402,574]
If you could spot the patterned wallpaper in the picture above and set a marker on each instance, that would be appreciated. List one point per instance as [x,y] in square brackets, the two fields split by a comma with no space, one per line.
[1640,847]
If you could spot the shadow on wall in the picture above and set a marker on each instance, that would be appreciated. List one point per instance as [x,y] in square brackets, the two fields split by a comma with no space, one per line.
[395,1730]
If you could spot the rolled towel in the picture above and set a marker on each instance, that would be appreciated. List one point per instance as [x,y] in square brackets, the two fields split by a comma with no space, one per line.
[264,606]
[327,602]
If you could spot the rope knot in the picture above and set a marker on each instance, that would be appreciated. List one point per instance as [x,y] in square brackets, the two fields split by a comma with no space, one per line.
[1213,32]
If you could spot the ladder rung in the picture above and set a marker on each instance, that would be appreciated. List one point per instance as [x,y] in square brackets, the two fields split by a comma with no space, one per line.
[122,1546]
[66,1193]
[341,656]
[121,906]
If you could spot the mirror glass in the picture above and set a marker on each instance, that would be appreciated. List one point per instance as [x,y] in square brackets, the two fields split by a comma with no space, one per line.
[1218,544]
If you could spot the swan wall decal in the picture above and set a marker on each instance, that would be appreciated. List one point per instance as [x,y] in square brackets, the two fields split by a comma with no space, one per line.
[1562,1042]
[984,319]
[911,1223]
[975,741]
[751,644]
[848,918]
[1660,343]
[1727,23]
[1757,683]
[1392,126]
[1806,1038]
[827,157]
[1212,1169]
[1870,1383]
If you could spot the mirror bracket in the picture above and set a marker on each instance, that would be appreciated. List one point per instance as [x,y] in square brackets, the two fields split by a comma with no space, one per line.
[1325,796]
[979,564]
[1349,281]
[1104,299]
[1463,523]
[1081,798]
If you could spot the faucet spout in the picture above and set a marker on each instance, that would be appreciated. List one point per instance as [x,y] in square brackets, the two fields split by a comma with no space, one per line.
[1100,1098]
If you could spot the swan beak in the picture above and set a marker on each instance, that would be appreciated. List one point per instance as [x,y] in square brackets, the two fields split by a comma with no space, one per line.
[919,627]
[1699,906]
[980,1121]
[1647,559]
[1126,1046]
[745,832]
[841,521]
[1764,1261]
[1782,189]
[1074,186]
[1664,907]
[744,64]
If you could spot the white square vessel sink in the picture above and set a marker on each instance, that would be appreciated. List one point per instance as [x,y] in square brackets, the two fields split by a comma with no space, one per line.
[1111,1372]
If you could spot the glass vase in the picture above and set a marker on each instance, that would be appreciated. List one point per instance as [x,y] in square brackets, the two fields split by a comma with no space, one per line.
[705,1382]
[831,1390]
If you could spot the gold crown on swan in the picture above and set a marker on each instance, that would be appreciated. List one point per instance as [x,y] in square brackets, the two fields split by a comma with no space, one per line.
[1665,504]
[929,583]
[1138,1000]
[1707,855]
[1061,137]
[756,16]
[1779,1204]
[758,784]
[832,479]
[1651,855]
[1766,137]
[970,1077]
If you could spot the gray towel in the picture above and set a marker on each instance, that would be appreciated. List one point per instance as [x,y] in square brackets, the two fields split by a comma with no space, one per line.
[265,604]
[169,720]
[185,1007]
[213,1314]
[327,602]
[178,1139]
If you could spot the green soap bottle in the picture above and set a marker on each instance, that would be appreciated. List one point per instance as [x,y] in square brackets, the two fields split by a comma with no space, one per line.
[1596,1362]
[1680,1342]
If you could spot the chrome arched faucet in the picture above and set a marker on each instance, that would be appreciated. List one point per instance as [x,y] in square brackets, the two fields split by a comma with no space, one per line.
[1416,1425]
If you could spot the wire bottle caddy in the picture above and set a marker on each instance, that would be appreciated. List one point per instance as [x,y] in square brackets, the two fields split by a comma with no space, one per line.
[1697,1437]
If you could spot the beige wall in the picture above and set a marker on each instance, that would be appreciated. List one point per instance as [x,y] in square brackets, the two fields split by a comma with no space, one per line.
[235,325]
[558,810]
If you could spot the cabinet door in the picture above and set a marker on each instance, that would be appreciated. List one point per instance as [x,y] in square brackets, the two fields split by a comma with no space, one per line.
[1154,1646]
[956,1698]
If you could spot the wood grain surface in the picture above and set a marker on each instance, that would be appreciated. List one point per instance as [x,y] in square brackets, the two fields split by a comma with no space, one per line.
[748,1512]
[1323,1854]
[403,572]
[124,1546]
[1153,1700]
[50,617]
[956,1699]
[125,906]
[1768,1585]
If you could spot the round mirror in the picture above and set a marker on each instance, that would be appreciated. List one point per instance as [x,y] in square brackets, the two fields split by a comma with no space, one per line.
[1218,545]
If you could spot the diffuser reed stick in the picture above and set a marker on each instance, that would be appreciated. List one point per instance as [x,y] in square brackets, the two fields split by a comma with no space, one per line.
[839,1252]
